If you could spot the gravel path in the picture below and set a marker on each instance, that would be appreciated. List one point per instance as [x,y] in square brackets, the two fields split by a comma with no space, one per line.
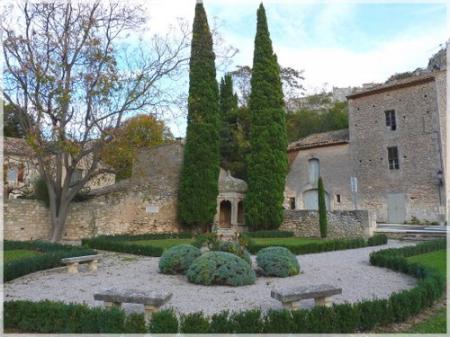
[348,269]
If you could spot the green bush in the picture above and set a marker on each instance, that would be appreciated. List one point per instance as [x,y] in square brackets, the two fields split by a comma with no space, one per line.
[322,207]
[279,321]
[269,234]
[177,259]
[236,249]
[250,321]
[53,253]
[377,239]
[220,323]
[220,268]
[164,321]
[120,243]
[313,247]
[208,239]
[277,261]
[54,317]
[194,323]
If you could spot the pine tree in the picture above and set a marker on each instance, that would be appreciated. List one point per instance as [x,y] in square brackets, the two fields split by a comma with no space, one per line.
[323,221]
[267,161]
[197,196]
[228,127]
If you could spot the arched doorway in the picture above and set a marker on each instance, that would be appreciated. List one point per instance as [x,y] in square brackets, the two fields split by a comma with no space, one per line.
[241,219]
[225,214]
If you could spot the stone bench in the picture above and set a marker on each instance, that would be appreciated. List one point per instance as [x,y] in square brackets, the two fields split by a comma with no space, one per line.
[151,300]
[321,293]
[73,262]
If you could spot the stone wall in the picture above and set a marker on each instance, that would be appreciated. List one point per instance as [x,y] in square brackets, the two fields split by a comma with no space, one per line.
[341,224]
[147,203]
[417,138]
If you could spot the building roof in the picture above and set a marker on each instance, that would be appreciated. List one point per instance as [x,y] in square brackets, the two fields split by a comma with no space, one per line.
[320,139]
[16,146]
[393,85]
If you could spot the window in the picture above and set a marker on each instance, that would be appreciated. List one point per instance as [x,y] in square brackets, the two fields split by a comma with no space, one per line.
[338,198]
[393,158]
[12,175]
[314,170]
[292,203]
[390,119]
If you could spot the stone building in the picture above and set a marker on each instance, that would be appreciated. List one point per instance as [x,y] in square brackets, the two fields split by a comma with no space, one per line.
[323,154]
[391,160]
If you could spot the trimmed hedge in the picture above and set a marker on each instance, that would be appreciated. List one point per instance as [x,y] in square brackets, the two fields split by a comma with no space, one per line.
[51,317]
[277,261]
[220,268]
[115,243]
[377,239]
[313,247]
[177,259]
[269,234]
[235,249]
[53,253]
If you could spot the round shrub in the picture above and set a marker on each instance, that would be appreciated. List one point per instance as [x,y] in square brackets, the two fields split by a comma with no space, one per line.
[220,268]
[177,259]
[277,261]
[236,249]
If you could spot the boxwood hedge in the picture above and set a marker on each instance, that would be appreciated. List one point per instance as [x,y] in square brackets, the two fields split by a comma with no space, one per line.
[121,243]
[53,253]
[52,317]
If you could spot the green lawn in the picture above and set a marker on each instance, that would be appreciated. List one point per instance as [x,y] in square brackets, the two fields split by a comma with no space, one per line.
[292,241]
[17,254]
[436,260]
[435,324]
[438,322]
[164,243]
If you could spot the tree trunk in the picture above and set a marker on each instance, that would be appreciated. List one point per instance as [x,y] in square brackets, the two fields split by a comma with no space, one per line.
[58,220]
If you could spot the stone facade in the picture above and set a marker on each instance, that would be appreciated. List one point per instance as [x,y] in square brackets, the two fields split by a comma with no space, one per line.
[413,189]
[341,224]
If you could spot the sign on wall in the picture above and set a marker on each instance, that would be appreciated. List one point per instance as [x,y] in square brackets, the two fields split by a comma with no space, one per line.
[152,209]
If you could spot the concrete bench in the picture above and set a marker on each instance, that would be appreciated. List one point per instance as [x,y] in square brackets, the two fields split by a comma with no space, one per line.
[73,262]
[151,300]
[290,296]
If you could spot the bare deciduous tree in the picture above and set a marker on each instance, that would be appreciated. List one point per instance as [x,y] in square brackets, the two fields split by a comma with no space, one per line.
[72,76]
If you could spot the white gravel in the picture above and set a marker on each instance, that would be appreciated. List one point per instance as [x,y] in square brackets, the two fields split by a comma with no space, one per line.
[348,269]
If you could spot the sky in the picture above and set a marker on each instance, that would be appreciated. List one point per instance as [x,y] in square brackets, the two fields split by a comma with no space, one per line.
[335,43]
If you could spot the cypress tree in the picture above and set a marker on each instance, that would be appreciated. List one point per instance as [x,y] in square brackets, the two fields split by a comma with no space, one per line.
[228,118]
[267,161]
[323,221]
[199,176]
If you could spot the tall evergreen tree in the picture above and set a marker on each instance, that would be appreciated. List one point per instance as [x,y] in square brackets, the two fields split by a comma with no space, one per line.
[199,177]
[323,220]
[267,161]
[228,127]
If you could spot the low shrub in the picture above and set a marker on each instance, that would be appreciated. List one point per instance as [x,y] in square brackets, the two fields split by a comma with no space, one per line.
[55,317]
[194,323]
[269,234]
[377,239]
[220,268]
[164,321]
[277,261]
[53,253]
[209,240]
[220,323]
[234,248]
[178,259]
[121,244]
[315,247]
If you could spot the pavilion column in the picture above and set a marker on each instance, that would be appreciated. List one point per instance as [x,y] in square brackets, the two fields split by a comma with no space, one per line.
[234,212]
